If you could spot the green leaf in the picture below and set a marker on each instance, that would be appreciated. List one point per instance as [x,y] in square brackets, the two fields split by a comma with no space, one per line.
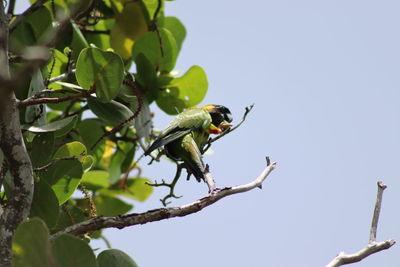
[30,245]
[100,70]
[42,149]
[110,206]
[95,180]
[175,26]
[35,26]
[112,113]
[127,162]
[67,128]
[64,177]
[36,113]
[136,189]
[152,6]
[22,36]
[60,63]
[101,41]
[69,215]
[50,127]
[70,251]
[114,167]
[185,91]
[115,257]
[78,41]
[87,162]
[72,149]
[44,204]
[149,45]
[146,76]
[90,131]
[41,22]
[143,122]
[131,24]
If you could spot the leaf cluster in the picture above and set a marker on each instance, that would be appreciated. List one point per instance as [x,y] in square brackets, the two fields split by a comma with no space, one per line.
[86,108]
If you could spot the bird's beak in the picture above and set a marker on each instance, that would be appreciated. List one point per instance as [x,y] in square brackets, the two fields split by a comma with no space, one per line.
[225,125]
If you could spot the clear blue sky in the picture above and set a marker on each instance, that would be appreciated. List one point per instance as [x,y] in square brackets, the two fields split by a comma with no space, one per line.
[324,76]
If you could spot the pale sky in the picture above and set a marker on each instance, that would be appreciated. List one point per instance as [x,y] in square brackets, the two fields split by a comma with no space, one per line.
[324,77]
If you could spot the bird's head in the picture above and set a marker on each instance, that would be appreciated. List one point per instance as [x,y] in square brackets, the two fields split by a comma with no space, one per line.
[221,116]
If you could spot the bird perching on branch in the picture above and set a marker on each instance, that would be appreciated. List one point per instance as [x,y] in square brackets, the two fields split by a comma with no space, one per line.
[184,138]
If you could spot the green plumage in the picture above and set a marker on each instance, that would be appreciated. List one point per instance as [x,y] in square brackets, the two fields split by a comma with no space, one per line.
[185,122]
[188,133]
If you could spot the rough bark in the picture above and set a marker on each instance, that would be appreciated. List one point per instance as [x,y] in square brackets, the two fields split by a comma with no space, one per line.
[12,146]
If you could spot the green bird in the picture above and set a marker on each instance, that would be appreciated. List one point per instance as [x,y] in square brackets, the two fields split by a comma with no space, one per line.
[186,135]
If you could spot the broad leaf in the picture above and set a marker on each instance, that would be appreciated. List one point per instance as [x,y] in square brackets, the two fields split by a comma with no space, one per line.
[146,76]
[69,215]
[78,41]
[100,70]
[72,149]
[64,177]
[95,180]
[50,127]
[45,203]
[71,251]
[111,206]
[143,122]
[90,131]
[41,149]
[115,257]
[112,113]
[149,45]
[175,26]
[131,24]
[135,188]
[57,66]
[183,92]
[30,245]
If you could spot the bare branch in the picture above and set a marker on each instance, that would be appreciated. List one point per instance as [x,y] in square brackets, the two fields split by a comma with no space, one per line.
[377,211]
[123,221]
[373,246]
[51,100]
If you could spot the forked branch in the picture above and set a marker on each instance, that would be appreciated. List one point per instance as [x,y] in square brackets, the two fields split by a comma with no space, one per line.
[373,246]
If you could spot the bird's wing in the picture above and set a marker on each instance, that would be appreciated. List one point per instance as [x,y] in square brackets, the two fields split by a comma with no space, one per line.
[184,123]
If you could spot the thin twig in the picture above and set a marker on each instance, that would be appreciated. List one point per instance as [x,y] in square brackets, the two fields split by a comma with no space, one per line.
[171,186]
[51,163]
[61,77]
[123,221]
[51,100]
[154,26]
[373,246]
